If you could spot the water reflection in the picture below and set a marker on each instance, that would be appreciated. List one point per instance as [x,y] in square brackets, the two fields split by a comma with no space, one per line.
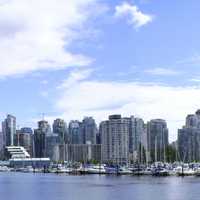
[52,187]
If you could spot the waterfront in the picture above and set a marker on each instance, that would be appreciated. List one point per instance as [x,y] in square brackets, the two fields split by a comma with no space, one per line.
[65,187]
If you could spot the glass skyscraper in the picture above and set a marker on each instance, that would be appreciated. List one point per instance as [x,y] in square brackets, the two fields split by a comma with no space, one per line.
[9,130]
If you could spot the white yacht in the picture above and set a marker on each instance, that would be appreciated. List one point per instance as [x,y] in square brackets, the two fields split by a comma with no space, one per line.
[96,169]
[4,169]
[124,171]
[61,169]
[147,171]
[184,171]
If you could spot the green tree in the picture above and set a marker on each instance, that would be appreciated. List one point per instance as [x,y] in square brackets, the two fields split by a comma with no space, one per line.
[170,154]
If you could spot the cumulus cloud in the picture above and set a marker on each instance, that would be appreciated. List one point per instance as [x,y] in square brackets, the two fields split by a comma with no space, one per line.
[134,16]
[35,34]
[100,99]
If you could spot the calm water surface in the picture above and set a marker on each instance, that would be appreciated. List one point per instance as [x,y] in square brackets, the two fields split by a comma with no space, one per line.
[14,186]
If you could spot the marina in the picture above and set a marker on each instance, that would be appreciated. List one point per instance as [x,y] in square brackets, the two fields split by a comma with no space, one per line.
[155,169]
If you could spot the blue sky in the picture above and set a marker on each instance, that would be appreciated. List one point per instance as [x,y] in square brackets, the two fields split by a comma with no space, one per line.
[95,58]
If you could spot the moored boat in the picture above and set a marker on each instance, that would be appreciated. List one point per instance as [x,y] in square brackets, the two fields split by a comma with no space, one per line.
[96,169]
[124,171]
[197,172]
[160,172]
[181,171]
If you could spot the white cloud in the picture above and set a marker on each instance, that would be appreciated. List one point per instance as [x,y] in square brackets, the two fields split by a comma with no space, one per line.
[100,99]
[162,71]
[196,79]
[35,34]
[135,17]
[75,77]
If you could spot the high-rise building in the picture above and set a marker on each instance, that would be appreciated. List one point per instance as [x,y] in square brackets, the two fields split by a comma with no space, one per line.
[136,139]
[115,139]
[74,132]
[189,139]
[52,147]
[82,141]
[44,127]
[192,121]
[40,135]
[157,139]
[2,146]
[9,130]
[24,138]
[88,130]
[60,128]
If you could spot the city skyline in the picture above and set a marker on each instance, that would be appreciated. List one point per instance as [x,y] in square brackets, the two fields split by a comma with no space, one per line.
[53,120]
[118,139]
[98,58]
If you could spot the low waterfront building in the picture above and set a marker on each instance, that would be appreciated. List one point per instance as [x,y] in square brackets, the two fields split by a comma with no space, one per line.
[18,157]
[13,152]
[43,163]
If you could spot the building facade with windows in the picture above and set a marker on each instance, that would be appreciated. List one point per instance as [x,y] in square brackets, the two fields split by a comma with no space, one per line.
[157,139]
[115,139]
[188,142]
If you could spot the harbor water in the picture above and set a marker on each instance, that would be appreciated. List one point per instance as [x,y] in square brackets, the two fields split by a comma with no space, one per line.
[28,186]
